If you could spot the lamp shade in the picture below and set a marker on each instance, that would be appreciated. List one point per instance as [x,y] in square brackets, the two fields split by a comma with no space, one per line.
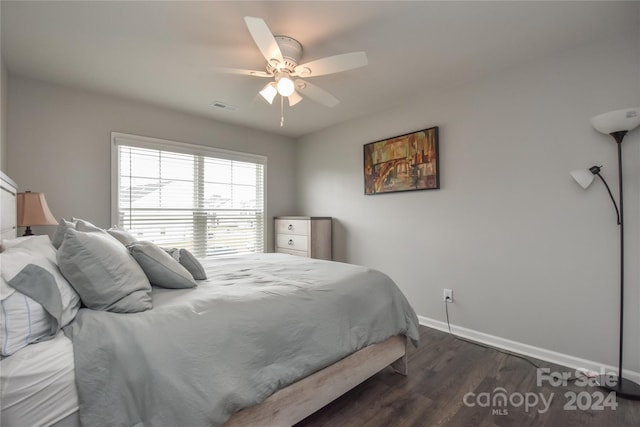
[269,92]
[285,86]
[617,121]
[294,98]
[584,177]
[33,210]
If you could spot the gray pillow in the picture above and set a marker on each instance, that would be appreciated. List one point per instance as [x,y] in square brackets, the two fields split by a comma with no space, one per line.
[161,269]
[123,236]
[188,261]
[64,225]
[58,236]
[103,273]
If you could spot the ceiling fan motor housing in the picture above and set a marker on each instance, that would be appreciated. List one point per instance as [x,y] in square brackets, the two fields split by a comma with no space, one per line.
[291,52]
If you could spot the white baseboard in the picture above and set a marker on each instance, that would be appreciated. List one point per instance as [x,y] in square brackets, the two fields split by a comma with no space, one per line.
[569,361]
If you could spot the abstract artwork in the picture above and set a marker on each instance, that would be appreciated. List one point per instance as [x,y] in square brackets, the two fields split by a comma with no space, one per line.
[402,163]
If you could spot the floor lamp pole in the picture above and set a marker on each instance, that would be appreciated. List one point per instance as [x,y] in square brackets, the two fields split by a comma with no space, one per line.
[622,386]
[621,199]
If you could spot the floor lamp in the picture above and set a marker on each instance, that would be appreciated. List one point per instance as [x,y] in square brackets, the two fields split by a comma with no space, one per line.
[617,124]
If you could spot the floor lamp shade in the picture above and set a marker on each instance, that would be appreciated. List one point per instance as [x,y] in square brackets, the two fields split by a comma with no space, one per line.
[33,210]
[617,121]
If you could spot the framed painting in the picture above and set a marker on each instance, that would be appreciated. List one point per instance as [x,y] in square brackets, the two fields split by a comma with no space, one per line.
[402,163]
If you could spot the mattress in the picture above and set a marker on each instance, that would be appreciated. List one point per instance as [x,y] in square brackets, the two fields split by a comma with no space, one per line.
[38,384]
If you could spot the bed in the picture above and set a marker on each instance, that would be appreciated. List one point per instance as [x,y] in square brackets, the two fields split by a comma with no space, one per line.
[266,339]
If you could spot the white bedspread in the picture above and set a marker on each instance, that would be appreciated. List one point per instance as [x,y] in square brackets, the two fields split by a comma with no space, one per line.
[38,384]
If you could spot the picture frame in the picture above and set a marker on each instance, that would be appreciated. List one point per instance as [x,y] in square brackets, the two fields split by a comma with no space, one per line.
[407,162]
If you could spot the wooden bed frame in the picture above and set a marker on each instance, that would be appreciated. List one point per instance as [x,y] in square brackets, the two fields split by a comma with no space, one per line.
[301,399]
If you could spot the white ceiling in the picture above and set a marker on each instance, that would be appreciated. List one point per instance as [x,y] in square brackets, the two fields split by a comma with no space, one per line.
[165,52]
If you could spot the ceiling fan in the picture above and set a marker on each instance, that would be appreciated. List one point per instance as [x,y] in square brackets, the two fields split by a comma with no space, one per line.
[283,54]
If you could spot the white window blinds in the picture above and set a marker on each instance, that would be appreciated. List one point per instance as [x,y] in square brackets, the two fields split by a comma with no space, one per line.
[180,195]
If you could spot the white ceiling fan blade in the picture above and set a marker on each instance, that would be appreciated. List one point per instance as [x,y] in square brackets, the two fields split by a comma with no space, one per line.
[241,71]
[294,98]
[264,39]
[315,93]
[332,64]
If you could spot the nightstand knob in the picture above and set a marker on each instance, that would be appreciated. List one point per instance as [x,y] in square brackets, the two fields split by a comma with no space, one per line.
[290,227]
[290,242]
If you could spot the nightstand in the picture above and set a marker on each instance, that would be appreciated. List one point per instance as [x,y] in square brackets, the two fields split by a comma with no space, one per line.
[303,236]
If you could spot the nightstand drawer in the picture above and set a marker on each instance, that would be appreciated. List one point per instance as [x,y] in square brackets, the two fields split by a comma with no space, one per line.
[290,252]
[292,242]
[292,226]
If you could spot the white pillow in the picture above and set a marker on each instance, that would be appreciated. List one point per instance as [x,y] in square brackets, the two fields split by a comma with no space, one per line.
[86,226]
[22,322]
[38,244]
[17,265]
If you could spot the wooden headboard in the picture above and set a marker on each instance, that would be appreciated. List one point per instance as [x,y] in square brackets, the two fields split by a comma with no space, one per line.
[8,215]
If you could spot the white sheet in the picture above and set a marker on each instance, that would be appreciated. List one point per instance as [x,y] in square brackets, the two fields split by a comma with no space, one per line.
[38,384]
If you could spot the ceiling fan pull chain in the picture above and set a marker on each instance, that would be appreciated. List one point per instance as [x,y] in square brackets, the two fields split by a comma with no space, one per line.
[281,111]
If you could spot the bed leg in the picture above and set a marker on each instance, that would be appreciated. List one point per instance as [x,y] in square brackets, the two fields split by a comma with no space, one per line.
[400,365]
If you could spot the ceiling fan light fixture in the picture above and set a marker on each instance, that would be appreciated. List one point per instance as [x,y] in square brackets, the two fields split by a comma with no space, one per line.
[269,92]
[285,86]
[294,98]
[283,55]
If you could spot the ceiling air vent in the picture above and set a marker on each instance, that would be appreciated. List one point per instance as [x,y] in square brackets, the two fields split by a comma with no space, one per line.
[224,106]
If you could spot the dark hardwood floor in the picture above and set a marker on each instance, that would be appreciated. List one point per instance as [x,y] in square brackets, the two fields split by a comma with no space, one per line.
[443,370]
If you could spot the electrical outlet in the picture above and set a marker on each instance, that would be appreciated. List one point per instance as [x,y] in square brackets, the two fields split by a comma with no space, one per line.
[447,295]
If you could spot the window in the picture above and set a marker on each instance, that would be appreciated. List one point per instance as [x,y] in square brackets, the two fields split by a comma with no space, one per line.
[179,195]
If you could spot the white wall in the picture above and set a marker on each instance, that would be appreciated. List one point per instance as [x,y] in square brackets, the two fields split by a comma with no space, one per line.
[59,144]
[531,257]
[4,78]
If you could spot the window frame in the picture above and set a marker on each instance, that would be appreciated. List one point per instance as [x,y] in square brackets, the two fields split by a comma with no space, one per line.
[118,138]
